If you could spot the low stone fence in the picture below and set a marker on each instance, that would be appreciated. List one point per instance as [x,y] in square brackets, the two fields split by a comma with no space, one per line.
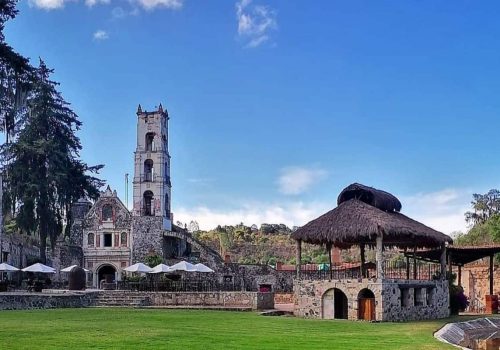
[253,300]
[28,301]
[49,300]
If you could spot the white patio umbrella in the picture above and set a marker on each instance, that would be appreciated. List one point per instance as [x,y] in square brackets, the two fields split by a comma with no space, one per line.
[202,268]
[7,268]
[138,267]
[160,268]
[183,266]
[69,268]
[39,268]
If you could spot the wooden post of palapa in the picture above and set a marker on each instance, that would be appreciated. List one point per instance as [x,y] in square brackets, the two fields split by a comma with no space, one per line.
[298,257]
[362,252]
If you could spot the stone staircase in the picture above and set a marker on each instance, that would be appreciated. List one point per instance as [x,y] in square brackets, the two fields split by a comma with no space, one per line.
[121,299]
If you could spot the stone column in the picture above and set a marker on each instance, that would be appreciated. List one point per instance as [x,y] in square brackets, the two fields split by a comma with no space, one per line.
[298,258]
[380,256]
[362,253]
[443,261]
[329,248]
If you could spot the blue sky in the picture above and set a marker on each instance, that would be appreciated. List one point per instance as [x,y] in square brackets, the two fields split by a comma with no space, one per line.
[276,105]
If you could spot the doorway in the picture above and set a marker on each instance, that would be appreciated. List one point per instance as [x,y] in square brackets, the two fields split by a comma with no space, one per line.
[366,305]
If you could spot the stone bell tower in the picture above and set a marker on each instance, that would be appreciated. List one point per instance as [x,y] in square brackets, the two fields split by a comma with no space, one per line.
[151,184]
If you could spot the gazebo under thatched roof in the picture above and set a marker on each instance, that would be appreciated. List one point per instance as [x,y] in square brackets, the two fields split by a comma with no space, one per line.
[361,215]
[366,216]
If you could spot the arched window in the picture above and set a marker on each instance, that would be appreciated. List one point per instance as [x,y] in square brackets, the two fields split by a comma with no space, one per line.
[90,240]
[107,212]
[167,206]
[150,143]
[123,239]
[147,205]
[148,170]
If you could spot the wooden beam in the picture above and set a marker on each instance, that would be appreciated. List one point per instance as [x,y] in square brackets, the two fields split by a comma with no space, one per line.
[414,262]
[380,255]
[443,261]
[329,248]
[298,258]
[460,275]
[491,274]
[407,267]
[362,253]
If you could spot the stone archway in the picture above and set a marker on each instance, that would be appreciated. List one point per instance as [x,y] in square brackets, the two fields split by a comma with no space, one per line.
[334,304]
[106,273]
[366,305]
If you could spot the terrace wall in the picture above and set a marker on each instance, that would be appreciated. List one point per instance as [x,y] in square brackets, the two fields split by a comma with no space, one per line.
[394,299]
[28,301]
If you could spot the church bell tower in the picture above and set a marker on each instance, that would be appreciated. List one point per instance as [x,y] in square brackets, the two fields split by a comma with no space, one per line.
[151,183]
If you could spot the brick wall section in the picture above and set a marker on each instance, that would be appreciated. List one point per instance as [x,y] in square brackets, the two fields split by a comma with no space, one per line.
[310,301]
[476,283]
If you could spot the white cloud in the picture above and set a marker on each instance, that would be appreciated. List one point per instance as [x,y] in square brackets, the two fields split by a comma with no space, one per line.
[118,13]
[48,4]
[255,22]
[290,214]
[442,210]
[91,3]
[101,35]
[296,180]
[169,4]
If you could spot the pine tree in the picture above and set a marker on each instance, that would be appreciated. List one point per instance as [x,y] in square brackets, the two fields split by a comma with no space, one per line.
[16,75]
[45,175]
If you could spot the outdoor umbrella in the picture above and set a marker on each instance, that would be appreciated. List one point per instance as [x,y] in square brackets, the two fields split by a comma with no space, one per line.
[202,268]
[39,268]
[160,268]
[69,268]
[183,266]
[138,267]
[7,268]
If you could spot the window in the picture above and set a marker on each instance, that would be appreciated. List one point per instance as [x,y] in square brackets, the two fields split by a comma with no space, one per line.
[150,143]
[418,299]
[107,212]
[123,239]
[167,206]
[405,297]
[5,256]
[148,170]
[108,240]
[429,295]
[90,240]
[148,203]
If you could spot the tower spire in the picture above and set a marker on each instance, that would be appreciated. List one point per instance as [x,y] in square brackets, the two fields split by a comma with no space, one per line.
[139,109]
[160,108]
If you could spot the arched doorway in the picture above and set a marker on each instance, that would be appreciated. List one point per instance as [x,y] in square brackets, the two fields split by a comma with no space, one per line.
[366,305]
[106,273]
[334,304]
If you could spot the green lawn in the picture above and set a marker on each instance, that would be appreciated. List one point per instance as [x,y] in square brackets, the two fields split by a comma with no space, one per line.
[185,329]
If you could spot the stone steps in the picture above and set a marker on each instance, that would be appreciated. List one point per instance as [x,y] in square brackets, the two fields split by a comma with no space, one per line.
[121,299]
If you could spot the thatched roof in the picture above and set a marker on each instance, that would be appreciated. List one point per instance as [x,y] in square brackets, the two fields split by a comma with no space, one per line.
[354,222]
[377,198]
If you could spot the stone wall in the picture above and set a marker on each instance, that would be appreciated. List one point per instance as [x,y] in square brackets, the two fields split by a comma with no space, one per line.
[405,300]
[21,249]
[253,300]
[28,301]
[147,237]
[394,300]
[284,298]
[476,282]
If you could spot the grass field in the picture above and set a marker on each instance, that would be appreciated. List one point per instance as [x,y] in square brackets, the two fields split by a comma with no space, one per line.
[185,329]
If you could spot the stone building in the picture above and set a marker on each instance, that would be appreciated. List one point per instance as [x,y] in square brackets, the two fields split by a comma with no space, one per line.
[106,237]
[370,218]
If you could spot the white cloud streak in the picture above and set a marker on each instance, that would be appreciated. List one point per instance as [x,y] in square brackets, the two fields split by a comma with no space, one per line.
[290,214]
[442,210]
[91,3]
[48,4]
[101,35]
[297,180]
[255,22]
[168,4]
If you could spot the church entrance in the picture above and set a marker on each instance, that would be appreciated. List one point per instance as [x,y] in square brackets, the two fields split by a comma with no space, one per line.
[106,274]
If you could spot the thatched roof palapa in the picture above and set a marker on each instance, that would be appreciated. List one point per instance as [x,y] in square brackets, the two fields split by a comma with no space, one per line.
[363,213]
[376,198]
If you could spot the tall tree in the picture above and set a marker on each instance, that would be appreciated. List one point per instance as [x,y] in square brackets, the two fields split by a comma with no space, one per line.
[45,174]
[484,206]
[16,75]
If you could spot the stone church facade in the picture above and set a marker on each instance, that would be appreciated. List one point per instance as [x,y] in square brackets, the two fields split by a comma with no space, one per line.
[108,237]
